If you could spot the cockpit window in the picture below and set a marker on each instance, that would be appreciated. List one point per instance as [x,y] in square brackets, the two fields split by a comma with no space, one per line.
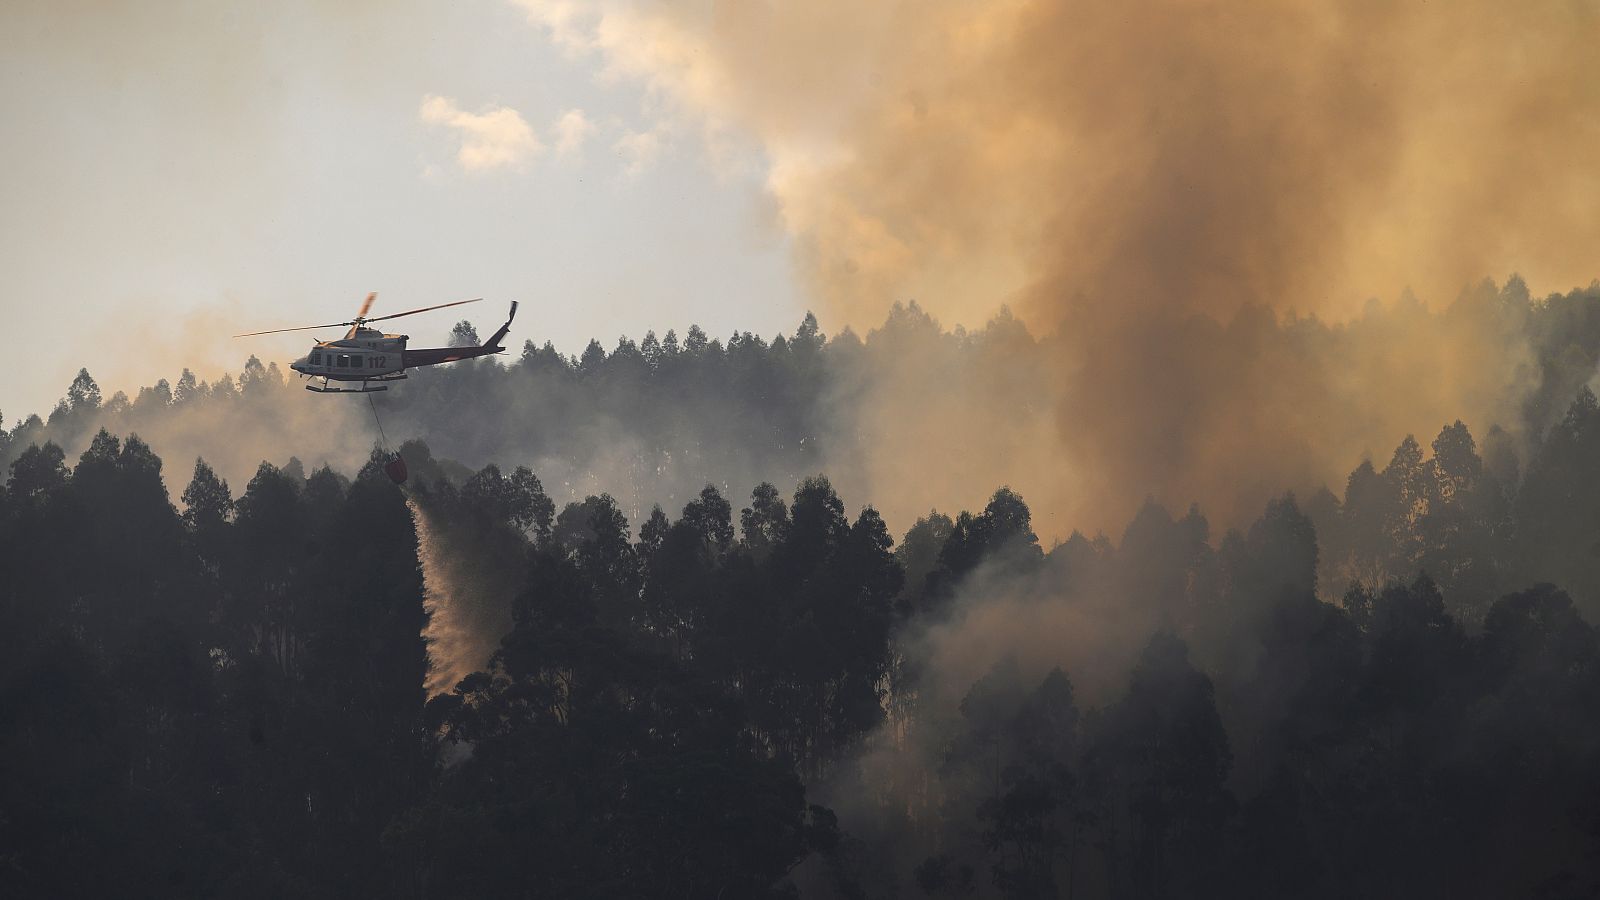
[316,359]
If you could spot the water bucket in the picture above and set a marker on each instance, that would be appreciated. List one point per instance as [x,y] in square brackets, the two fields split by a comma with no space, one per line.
[396,469]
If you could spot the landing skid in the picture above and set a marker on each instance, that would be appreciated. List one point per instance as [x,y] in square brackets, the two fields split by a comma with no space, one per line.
[366,388]
[325,389]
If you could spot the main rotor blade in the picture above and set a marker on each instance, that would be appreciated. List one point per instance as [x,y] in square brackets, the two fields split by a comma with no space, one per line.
[367,304]
[412,312]
[301,328]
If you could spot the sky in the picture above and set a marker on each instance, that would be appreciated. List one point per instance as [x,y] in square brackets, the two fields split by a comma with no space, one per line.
[1130,180]
[174,173]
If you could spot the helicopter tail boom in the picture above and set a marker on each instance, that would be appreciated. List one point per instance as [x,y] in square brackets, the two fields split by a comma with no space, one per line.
[434,356]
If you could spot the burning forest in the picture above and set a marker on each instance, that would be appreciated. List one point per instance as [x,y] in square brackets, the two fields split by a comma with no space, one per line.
[1177,493]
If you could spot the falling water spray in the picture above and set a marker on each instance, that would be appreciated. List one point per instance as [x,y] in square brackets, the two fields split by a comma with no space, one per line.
[467,591]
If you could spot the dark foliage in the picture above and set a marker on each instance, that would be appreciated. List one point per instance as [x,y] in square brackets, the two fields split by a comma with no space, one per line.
[1385,693]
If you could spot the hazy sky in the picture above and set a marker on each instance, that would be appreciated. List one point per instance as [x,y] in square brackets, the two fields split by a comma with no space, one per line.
[173,173]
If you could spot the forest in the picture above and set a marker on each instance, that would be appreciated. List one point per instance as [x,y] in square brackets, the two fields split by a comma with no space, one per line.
[725,675]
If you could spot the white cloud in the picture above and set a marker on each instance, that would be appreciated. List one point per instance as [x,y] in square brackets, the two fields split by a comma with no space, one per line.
[572,129]
[569,22]
[498,137]
[639,151]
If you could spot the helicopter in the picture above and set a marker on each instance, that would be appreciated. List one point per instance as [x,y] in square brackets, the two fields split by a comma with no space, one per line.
[373,358]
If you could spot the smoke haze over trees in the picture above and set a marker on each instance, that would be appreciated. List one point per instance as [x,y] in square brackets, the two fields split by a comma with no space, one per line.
[913,415]
[636,627]
[1148,188]
[1141,555]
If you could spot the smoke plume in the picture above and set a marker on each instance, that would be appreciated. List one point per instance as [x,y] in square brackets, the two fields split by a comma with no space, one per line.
[1158,191]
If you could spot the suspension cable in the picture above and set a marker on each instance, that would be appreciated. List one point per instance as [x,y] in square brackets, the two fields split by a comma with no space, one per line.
[382,438]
